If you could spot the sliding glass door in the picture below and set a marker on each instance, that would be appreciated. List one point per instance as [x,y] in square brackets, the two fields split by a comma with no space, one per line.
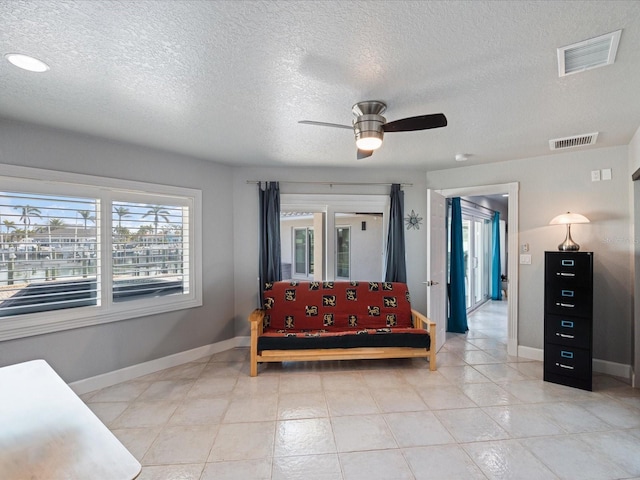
[303,252]
[476,240]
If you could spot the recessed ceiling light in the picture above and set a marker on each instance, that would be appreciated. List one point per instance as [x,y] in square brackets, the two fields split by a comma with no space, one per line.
[462,157]
[26,62]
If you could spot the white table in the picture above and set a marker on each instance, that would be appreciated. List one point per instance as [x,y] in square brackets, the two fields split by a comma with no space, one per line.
[48,433]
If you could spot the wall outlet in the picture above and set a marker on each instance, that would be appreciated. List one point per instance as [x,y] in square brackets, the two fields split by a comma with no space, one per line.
[524,247]
[606,174]
[595,175]
[525,259]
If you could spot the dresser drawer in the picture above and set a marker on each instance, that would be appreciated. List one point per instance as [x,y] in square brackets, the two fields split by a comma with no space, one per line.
[567,330]
[569,361]
[568,300]
[568,268]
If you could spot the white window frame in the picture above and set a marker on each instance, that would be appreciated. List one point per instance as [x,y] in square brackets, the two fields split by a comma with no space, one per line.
[41,181]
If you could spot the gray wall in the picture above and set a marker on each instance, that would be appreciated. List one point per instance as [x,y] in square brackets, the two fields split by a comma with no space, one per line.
[551,185]
[548,186]
[245,198]
[89,351]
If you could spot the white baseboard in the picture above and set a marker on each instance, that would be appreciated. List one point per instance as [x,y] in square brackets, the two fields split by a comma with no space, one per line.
[531,353]
[612,368]
[600,366]
[134,371]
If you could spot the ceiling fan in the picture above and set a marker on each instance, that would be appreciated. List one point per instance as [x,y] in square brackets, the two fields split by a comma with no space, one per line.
[369,125]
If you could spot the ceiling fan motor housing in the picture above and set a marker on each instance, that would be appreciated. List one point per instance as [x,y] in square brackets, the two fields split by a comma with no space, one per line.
[368,124]
[369,131]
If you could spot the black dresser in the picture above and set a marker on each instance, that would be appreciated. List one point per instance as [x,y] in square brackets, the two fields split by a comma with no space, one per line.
[568,318]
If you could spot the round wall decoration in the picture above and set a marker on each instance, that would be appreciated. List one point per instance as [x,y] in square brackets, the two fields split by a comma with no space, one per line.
[413,220]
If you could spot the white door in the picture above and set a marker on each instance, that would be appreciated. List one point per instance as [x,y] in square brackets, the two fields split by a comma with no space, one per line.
[437,264]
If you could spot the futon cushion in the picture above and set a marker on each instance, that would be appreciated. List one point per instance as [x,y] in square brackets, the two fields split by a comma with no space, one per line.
[275,339]
[336,306]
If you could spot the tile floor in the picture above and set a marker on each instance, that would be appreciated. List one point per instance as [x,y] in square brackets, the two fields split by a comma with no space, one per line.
[482,414]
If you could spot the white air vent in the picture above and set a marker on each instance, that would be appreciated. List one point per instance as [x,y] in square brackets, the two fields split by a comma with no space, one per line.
[592,53]
[575,141]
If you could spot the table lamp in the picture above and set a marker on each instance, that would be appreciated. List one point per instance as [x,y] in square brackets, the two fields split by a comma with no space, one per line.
[567,219]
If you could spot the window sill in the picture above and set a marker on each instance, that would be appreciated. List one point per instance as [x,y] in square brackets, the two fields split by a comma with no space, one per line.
[30,325]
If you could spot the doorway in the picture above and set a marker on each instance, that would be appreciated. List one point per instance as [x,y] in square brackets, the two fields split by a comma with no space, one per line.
[511,189]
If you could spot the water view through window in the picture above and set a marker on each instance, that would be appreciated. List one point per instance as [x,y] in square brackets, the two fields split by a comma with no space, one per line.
[51,252]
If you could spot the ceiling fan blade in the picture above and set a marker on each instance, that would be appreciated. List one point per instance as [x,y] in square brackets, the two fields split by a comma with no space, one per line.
[325,124]
[422,122]
[364,154]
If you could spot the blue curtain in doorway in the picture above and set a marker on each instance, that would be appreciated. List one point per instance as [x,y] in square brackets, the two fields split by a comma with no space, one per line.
[457,296]
[496,280]
[396,263]
[269,204]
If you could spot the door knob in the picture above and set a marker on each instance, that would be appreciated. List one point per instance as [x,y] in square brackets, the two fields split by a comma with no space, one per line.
[430,283]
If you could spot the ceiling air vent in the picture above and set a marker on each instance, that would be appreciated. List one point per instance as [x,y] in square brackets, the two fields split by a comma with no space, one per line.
[575,141]
[592,53]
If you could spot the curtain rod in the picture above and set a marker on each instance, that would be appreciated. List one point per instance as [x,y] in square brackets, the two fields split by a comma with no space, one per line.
[477,205]
[336,183]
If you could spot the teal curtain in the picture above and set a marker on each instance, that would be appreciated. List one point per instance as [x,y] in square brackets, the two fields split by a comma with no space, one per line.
[269,204]
[496,280]
[457,298]
[396,263]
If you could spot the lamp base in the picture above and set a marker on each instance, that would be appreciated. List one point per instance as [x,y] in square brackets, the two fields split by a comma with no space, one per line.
[568,245]
[564,247]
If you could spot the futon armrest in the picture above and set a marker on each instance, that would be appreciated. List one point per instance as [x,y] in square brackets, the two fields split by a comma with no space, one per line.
[256,318]
[421,321]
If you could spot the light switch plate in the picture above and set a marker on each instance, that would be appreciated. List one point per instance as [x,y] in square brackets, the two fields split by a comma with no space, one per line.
[595,175]
[606,174]
[525,259]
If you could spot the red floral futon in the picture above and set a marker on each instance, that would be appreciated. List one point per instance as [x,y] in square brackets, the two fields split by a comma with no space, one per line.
[338,321]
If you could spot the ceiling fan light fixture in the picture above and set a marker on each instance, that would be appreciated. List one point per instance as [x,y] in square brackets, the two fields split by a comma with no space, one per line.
[369,131]
[369,140]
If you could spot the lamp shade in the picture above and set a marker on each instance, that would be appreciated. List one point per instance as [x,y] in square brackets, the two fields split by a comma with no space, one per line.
[568,219]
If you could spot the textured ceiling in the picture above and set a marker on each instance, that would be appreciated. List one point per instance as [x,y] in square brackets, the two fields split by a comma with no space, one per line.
[228,81]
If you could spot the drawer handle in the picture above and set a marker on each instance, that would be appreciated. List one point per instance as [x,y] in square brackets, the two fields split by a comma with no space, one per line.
[566,305]
[562,365]
[565,274]
[567,293]
[568,263]
[566,324]
[564,335]
[565,354]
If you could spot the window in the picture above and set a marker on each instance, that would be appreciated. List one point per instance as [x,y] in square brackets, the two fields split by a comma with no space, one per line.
[342,252]
[77,250]
[329,237]
[303,254]
[148,250]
